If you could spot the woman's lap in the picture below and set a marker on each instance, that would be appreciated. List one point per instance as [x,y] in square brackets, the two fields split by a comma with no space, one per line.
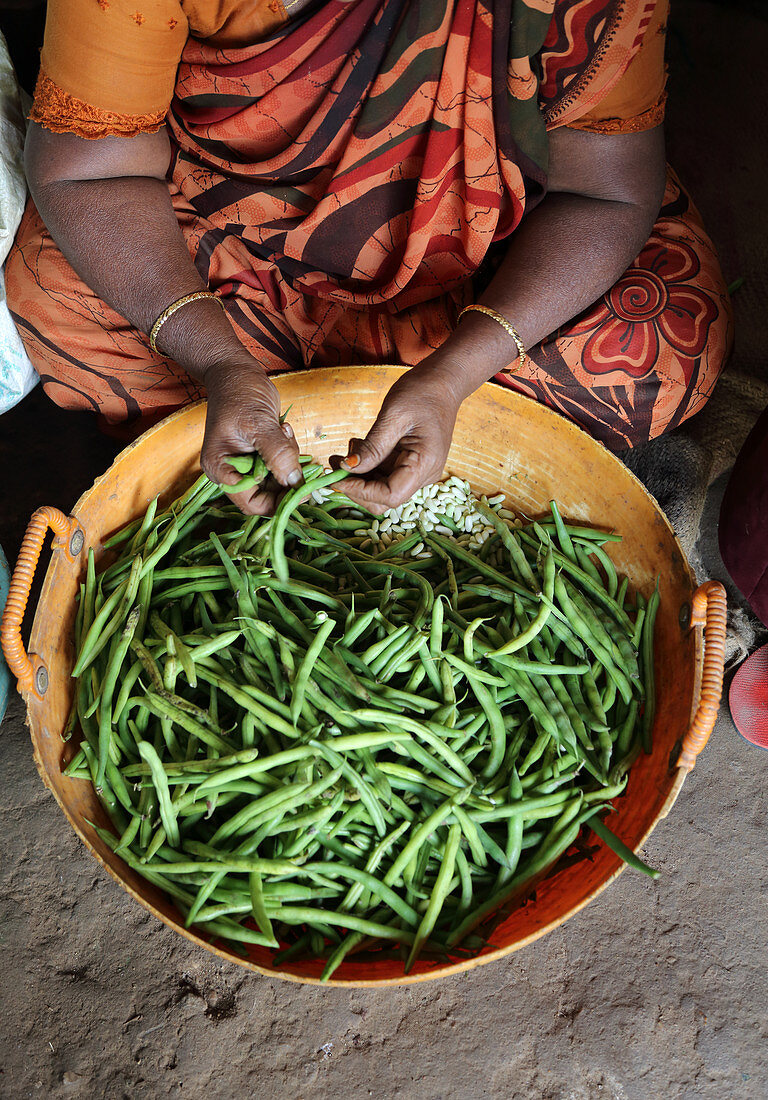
[647,355]
[642,359]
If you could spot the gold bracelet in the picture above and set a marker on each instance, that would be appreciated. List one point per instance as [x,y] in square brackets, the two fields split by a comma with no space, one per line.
[169,312]
[504,324]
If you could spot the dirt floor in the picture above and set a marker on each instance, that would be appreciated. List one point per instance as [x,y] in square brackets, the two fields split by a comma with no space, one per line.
[657,991]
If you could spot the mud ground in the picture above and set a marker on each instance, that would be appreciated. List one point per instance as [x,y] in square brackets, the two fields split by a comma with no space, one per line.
[657,991]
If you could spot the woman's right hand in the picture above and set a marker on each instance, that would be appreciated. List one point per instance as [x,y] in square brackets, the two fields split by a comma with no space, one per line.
[244,416]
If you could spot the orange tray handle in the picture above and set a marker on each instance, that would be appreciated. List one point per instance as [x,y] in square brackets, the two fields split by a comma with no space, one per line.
[709,610]
[30,672]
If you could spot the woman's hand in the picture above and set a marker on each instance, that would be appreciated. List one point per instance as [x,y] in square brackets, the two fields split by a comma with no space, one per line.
[408,444]
[244,416]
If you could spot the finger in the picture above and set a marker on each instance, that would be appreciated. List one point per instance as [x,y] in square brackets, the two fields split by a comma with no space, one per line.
[277,447]
[379,494]
[369,453]
[259,502]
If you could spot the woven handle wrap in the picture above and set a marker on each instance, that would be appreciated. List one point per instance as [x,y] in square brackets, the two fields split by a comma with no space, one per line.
[21,665]
[710,612]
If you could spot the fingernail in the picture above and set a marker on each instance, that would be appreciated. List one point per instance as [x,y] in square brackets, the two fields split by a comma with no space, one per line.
[351,461]
[294,478]
[287,431]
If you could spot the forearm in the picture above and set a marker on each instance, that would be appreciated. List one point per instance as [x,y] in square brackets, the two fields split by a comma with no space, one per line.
[563,257]
[122,238]
[605,192]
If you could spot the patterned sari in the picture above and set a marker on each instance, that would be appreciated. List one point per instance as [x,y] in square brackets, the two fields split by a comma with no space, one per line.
[344,185]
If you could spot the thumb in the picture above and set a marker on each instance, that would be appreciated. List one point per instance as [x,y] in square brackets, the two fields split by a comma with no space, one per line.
[369,453]
[277,445]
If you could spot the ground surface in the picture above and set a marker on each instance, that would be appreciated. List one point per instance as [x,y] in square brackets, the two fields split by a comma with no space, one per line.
[657,991]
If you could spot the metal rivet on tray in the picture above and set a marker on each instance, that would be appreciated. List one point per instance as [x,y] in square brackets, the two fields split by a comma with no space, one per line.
[41,680]
[76,542]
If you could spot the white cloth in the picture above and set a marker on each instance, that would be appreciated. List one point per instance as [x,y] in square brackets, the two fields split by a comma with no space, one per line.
[17,375]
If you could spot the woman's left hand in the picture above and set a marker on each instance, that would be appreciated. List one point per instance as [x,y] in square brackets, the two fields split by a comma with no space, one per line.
[408,444]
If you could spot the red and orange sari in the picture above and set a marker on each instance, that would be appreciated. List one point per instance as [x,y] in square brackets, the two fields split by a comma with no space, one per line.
[344,181]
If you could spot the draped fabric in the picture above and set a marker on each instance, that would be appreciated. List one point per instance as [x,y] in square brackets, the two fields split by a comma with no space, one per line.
[371,153]
[342,184]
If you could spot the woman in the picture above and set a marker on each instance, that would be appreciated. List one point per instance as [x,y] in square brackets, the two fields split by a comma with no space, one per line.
[347,176]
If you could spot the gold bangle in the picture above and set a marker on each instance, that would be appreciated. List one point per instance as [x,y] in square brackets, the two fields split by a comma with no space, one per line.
[169,312]
[504,324]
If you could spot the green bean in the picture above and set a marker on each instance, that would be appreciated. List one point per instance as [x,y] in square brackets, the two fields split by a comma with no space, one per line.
[436,628]
[358,627]
[563,534]
[541,742]
[425,732]
[167,815]
[542,615]
[495,722]
[115,663]
[108,619]
[303,915]
[481,567]
[160,706]
[367,794]
[557,841]
[225,863]
[587,584]
[179,648]
[584,631]
[246,700]
[254,812]
[615,642]
[515,830]
[254,470]
[233,764]
[381,648]
[365,879]
[617,846]
[440,891]
[198,765]
[287,506]
[510,540]
[258,907]
[301,752]
[649,711]
[305,669]
[539,668]
[625,735]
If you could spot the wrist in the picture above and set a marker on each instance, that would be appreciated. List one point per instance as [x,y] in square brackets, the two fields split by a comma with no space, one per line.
[200,338]
[454,370]
[221,369]
[477,349]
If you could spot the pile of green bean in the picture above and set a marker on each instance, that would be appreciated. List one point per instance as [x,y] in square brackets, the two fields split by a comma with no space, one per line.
[327,749]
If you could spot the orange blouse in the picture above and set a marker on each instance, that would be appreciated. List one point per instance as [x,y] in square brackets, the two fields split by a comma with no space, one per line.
[637,101]
[109,66]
